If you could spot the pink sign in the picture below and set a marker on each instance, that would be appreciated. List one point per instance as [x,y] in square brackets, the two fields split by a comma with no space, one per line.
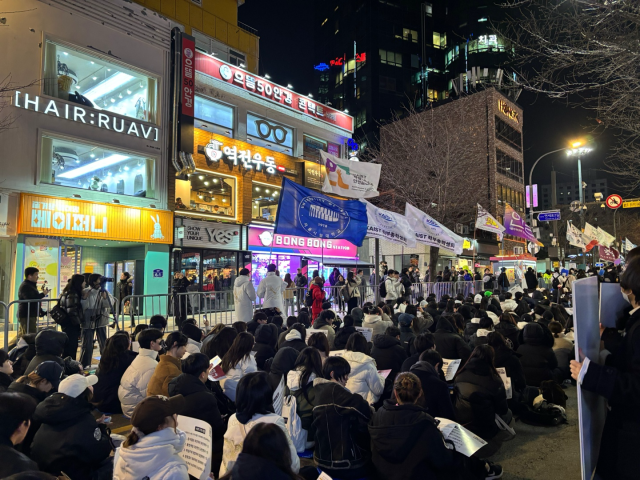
[260,240]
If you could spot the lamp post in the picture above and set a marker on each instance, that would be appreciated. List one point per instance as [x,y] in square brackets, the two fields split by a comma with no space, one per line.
[531,181]
[578,149]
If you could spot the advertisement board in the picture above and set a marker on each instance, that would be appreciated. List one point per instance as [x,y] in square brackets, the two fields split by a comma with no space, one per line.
[260,240]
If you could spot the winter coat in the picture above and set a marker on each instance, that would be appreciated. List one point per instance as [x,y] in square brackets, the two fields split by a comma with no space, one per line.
[134,382]
[510,361]
[377,324]
[244,295]
[394,288]
[437,400]
[193,347]
[300,281]
[342,337]
[407,336]
[410,362]
[318,295]
[479,338]
[72,304]
[5,381]
[480,395]
[470,328]
[503,280]
[364,378]
[340,421]
[406,283]
[388,354]
[230,381]
[201,403]
[271,289]
[323,325]
[358,316]
[237,432]
[509,305]
[105,392]
[23,353]
[531,280]
[448,343]
[28,290]
[294,339]
[251,467]
[351,289]
[539,363]
[510,332]
[13,461]
[154,456]
[305,399]
[407,445]
[167,369]
[265,344]
[96,309]
[561,342]
[522,308]
[49,346]
[69,438]
[123,289]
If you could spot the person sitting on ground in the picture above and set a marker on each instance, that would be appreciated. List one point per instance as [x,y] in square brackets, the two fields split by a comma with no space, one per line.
[152,448]
[481,396]
[389,354]
[307,368]
[373,320]
[448,343]
[522,307]
[407,335]
[236,363]
[563,349]
[291,320]
[259,318]
[169,366]
[505,357]
[358,316]
[342,444]
[407,445]
[508,327]
[538,360]
[436,398]
[22,354]
[254,405]
[264,455]
[473,325]
[324,322]
[6,369]
[220,343]
[422,342]
[50,345]
[343,334]
[240,326]
[278,321]
[70,439]
[364,379]
[320,342]
[295,337]
[282,364]
[200,402]
[194,338]
[158,322]
[264,347]
[16,410]
[480,337]
[135,380]
[114,362]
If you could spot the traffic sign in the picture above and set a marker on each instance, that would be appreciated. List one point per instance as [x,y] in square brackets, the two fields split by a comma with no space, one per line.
[631,204]
[549,216]
[614,201]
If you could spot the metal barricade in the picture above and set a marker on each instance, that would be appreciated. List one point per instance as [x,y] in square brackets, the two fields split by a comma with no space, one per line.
[22,317]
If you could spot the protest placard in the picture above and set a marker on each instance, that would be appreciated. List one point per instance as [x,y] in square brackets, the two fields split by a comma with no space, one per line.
[197,449]
[367,332]
[311,331]
[450,367]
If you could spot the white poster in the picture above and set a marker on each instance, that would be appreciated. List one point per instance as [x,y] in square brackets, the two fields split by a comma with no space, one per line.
[465,441]
[431,232]
[43,253]
[389,226]
[450,368]
[350,179]
[197,449]
[367,332]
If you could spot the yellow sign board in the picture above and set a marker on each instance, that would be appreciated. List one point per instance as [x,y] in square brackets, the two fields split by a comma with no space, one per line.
[631,204]
[61,217]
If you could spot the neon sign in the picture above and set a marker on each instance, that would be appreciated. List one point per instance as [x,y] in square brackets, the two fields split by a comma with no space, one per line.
[321,67]
[339,61]
[361,57]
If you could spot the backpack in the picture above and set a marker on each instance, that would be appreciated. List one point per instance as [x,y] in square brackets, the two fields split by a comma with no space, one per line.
[293,423]
[553,393]
[383,289]
[547,414]
[308,298]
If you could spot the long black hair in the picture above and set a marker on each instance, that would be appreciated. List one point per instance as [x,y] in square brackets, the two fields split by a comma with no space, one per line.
[485,354]
[240,348]
[308,362]
[113,350]
[253,396]
[74,286]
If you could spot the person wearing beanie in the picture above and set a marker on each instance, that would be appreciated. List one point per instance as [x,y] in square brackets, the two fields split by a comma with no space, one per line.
[358,316]
[70,439]
[152,448]
[539,363]
[407,335]
[194,338]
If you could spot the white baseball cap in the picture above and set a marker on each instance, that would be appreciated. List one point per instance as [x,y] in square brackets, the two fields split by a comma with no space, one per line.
[74,385]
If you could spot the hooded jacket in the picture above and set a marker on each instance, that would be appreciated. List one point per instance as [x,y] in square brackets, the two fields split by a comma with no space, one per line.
[407,445]
[470,328]
[69,439]
[510,332]
[23,353]
[123,289]
[342,337]
[364,378]
[358,316]
[237,432]
[305,399]
[407,336]
[13,461]
[539,363]
[437,400]
[231,379]
[377,324]
[167,369]
[244,295]
[154,456]
[394,288]
[509,305]
[266,338]
[318,295]
[388,353]
[49,346]
[282,363]
[105,392]
[271,289]
[294,339]
[322,323]
[134,382]
[448,343]
[251,467]
[510,361]
[532,281]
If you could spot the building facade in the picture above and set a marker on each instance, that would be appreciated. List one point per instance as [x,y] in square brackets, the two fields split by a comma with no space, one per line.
[567,192]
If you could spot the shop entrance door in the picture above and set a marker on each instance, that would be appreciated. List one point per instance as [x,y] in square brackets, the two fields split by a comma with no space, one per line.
[70,261]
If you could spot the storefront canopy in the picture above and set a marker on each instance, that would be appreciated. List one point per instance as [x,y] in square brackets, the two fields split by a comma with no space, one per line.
[339,262]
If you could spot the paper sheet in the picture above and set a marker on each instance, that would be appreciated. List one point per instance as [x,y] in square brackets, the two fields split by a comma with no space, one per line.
[450,367]
[135,347]
[507,382]
[216,373]
[311,331]
[337,353]
[384,373]
[197,449]
[367,332]
[465,441]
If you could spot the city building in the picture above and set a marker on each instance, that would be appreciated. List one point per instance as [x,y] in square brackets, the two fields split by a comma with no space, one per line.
[567,192]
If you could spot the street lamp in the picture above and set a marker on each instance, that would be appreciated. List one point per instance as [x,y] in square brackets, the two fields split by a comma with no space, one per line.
[579,148]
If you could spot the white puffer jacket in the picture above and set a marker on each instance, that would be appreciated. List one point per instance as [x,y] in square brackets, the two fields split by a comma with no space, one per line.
[154,456]
[244,295]
[134,382]
[237,432]
[377,324]
[364,378]
[271,288]
[230,381]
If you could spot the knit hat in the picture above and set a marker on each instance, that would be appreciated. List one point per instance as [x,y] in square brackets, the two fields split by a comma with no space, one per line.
[151,412]
[405,319]
[477,298]
[74,385]
[423,303]
[51,371]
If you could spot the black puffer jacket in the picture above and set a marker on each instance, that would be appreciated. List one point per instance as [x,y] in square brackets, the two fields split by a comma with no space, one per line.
[437,399]
[470,328]
[13,461]
[407,336]
[69,438]
[281,365]
[342,337]
[448,343]
[38,396]
[105,392]
[266,338]
[28,290]
[250,467]
[509,331]
[5,381]
[388,354]
[22,354]
[538,360]
[510,361]
[49,346]
[480,395]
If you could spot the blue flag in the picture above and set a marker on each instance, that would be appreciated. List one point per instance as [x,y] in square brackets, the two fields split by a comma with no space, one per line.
[307,213]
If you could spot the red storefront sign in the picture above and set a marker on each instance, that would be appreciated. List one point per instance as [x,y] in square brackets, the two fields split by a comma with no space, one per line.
[271,91]
[188,73]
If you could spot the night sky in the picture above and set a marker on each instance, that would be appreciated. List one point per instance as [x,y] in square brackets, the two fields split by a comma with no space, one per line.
[286,54]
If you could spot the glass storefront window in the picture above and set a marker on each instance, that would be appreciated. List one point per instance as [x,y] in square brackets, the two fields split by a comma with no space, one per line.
[106,85]
[219,270]
[75,164]
[207,192]
[284,263]
[264,202]
[213,116]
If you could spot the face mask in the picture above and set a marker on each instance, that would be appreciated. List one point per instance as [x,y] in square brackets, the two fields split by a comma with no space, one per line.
[626,298]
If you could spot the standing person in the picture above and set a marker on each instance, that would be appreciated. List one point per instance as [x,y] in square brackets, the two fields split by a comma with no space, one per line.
[96,305]
[405,280]
[301,283]
[271,289]
[487,279]
[333,277]
[244,295]
[338,293]
[352,288]
[124,288]
[71,301]
[289,290]
[169,365]
[364,284]
[393,287]
[29,312]
[318,296]
[503,280]
[530,279]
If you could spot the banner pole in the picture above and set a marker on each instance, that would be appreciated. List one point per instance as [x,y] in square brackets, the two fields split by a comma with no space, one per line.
[473,248]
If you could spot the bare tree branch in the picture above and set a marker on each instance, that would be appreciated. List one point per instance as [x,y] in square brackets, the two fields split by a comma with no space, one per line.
[7,88]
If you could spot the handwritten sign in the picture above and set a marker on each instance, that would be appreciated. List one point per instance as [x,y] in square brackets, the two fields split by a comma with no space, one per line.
[197,449]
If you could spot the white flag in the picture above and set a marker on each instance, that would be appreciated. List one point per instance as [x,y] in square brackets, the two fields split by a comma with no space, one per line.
[431,232]
[350,179]
[604,238]
[590,232]
[628,246]
[574,236]
[389,226]
[487,222]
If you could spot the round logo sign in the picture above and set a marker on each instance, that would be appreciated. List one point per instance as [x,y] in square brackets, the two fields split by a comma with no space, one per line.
[430,222]
[614,201]
[188,53]
[384,219]
[322,218]
[225,72]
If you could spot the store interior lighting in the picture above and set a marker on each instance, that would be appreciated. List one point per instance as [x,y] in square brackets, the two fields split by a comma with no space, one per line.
[107,86]
[92,167]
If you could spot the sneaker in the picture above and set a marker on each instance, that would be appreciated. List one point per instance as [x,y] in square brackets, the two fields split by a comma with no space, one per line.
[495,471]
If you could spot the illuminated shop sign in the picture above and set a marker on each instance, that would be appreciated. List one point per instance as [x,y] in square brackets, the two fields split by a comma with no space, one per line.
[339,61]
[321,67]
[88,116]
[506,109]
[216,151]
